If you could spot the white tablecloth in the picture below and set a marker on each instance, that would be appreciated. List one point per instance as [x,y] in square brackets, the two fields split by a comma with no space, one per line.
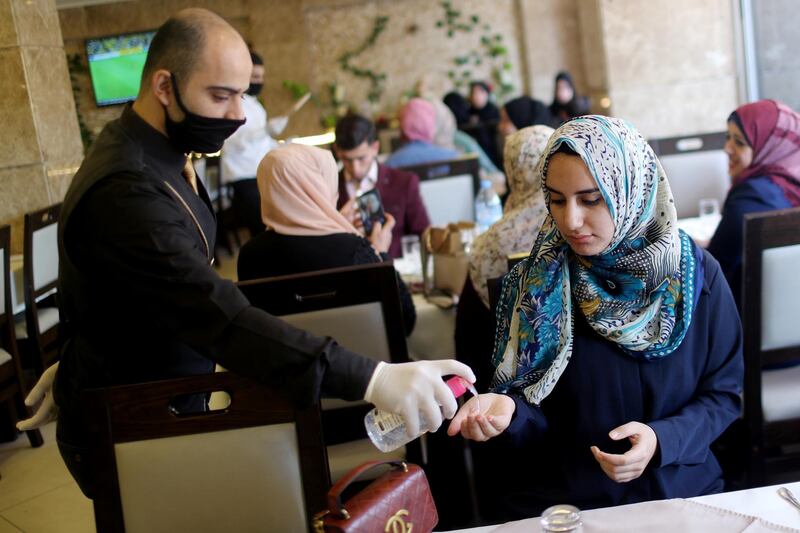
[433,336]
[701,229]
[754,511]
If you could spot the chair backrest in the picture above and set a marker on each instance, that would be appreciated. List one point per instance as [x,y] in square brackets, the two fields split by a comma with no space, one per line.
[357,306]
[448,188]
[696,167]
[257,465]
[770,296]
[41,252]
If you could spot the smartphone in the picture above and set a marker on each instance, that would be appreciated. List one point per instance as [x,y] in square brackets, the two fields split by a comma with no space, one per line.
[371,209]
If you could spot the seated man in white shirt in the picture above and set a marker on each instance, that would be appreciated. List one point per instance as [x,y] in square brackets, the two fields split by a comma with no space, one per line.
[245,149]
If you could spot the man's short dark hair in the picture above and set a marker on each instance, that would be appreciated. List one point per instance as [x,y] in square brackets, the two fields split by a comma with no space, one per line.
[255,58]
[353,130]
[177,47]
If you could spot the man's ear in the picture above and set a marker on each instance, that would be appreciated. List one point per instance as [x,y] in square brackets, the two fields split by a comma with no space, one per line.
[161,85]
[376,145]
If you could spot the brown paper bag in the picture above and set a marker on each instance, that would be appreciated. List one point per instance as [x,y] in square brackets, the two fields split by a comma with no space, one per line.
[450,262]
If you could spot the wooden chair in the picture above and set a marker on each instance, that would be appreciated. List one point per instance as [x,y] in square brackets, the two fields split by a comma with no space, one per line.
[38,333]
[257,465]
[12,384]
[448,188]
[360,308]
[770,299]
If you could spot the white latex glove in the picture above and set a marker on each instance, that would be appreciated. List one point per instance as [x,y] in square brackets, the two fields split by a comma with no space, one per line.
[276,125]
[409,389]
[42,396]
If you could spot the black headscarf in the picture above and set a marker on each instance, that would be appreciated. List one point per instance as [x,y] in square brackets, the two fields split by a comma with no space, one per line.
[459,106]
[526,111]
[579,105]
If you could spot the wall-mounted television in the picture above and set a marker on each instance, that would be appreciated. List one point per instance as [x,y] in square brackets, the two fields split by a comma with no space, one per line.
[115,66]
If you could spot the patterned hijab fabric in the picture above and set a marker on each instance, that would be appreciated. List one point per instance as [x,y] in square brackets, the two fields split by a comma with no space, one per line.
[523,214]
[773,131]
[638,293]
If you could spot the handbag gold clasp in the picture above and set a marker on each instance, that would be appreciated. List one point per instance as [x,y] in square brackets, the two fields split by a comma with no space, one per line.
[397,524]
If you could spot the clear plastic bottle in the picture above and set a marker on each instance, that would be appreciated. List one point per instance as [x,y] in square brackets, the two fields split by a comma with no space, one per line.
[488,208]
[562,518]
[388,430]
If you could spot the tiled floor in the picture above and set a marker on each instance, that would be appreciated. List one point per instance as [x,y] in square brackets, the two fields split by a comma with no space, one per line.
[37,493]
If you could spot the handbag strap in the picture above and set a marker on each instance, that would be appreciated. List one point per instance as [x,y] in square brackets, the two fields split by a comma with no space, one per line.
[335,494]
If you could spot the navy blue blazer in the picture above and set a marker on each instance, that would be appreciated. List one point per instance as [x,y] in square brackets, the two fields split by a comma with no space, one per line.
[755,195]
[688,398]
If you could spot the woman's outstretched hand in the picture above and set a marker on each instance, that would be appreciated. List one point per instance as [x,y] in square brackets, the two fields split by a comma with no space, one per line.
[492,419]
[629,465]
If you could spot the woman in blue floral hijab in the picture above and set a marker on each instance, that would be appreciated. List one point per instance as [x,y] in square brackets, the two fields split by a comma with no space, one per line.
[618,346]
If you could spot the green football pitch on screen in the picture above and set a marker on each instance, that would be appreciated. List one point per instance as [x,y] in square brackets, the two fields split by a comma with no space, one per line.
[117,78]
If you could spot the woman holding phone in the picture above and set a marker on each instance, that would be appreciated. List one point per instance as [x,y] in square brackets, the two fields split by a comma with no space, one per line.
[618,350]
[299,187]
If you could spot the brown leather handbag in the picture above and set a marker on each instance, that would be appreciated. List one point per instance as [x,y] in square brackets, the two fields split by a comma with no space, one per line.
[398,501]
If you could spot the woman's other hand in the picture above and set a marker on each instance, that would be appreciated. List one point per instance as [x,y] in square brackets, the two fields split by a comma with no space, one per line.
[492,419]
[381,236]
[630,465]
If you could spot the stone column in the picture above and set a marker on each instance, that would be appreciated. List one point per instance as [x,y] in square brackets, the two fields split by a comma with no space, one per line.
[40,142]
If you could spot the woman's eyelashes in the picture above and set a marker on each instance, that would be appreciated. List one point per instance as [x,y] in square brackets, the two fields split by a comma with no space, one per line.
[590,201]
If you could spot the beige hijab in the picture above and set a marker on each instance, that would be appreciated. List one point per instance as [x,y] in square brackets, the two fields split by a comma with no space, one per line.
[523,214]
[299,186]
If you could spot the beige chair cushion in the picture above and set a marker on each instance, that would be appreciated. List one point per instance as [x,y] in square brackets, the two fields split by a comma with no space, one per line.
[450,199]
[5,357]
[244,480]
[45,256]
[345,456]
[779,282]
[780,394]
[48,317]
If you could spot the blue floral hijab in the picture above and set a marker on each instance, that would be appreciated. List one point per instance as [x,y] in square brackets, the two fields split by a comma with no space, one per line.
[637,293]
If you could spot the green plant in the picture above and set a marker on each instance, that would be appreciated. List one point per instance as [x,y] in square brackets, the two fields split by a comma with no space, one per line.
[491,49]
[376,79]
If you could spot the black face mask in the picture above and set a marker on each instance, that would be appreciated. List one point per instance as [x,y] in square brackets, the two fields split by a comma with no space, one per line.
[255,89]
[195,133]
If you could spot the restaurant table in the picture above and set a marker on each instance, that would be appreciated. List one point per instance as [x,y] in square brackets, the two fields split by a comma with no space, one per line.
[434,333]
[753,510]
[700,229]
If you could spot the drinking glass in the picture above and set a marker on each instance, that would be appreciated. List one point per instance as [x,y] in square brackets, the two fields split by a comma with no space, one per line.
[708,207]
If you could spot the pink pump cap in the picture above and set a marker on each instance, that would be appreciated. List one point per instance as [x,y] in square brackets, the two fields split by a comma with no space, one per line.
[457,385]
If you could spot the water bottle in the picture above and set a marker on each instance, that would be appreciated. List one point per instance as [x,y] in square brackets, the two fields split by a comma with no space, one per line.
[488,208]
[388,430]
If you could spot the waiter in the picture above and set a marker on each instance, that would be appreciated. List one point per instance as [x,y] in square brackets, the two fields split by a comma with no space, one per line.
[140,299]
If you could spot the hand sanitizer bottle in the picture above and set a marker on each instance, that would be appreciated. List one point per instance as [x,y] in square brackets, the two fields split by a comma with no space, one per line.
[388,430]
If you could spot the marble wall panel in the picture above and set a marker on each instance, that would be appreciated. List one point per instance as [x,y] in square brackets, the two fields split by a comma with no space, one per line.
[18,134]
[677,109]
[691,41]
[22,189]
[8,29]
[53,104]
[552,43]
[37,22]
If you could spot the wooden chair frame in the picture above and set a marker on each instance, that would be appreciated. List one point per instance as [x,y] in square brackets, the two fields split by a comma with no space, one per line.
[140,412]
[763,231]
[12,382]
[41,347]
